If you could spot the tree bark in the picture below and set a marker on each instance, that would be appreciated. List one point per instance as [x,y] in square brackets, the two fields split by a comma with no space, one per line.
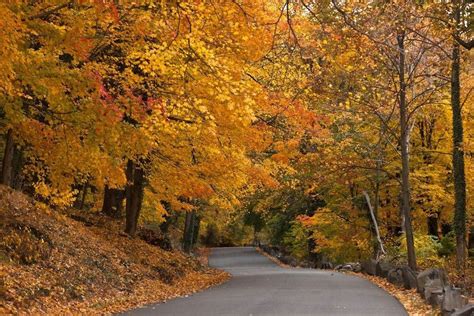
[80,197]
[404,138]
[7,164]
[84,194]
[196,226]
[188,231]
[374,221]
[113,200]
[458,159]
[17,164]
[134,195]
[107,201]
[432,223]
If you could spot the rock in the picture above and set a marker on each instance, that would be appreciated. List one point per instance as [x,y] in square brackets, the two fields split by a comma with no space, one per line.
[435,297]
[305,264]
[369,266]
[344,267]
[382,268]
[429,289]
[325,265]
[467,310]
[432,276]
[292,262]
[286,260]
[351,266]
[347,267]
[356,267]
[409,277]
[395,276]
[452,299]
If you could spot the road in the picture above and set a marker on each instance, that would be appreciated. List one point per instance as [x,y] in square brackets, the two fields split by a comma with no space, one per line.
[260,287]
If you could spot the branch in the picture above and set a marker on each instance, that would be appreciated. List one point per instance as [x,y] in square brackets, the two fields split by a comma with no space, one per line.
[466,44]
[179,119]
[352,25]
[45,13]
[367,198]
[246,15]
[467,97]
[282,10]
[290,25]
[374,168]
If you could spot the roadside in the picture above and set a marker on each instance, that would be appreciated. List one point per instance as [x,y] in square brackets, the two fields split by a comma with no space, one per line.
[410,299]
[51,263]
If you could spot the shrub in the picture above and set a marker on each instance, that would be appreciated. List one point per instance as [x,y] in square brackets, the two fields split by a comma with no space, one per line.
[295,240]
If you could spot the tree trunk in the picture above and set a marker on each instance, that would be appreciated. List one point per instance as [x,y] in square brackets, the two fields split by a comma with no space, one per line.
[17,164]
[113,200]
[107,202]
[7,164]
[84,194]
[196,226]
[375,226]
[135,187]
[404,139]
[432,223]
[80,197]
[458,159]
[188,231]
[470,239]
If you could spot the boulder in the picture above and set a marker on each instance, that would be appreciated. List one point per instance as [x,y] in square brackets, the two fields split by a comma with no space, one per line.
[452,299]
[304,264]
[347,267]
[369,266]
[402,276]
[435,297]
[351,266]
[325,265]
[395,276]
[292,262]
[356,267]
[467,310]
[409,277]
[382,268]
[432,287]
[288,260]
[431,276]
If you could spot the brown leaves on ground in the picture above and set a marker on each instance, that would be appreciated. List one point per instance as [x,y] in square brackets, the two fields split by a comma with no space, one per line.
[68,266]
[203,255]
[464,278]
[410,299]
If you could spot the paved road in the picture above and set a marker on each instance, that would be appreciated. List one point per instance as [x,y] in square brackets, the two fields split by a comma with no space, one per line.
[260,287]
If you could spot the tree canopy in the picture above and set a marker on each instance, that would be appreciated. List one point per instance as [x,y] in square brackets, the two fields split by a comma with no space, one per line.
[335,129]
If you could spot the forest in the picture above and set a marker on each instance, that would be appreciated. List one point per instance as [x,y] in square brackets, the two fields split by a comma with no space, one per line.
[334,130]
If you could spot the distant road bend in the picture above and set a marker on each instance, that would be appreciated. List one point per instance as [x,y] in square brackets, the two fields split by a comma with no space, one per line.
[260,287]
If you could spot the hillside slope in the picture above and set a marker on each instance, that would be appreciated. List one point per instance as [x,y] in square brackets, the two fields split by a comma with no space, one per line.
[51,263]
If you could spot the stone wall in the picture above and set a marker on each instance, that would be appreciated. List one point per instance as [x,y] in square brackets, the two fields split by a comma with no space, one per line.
[432,284]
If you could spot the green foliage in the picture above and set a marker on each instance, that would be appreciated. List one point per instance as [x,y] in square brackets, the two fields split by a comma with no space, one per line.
[427,248]
[254,219]
[235,234]
[210,237]
[447,245]
[277,226]
[295,240]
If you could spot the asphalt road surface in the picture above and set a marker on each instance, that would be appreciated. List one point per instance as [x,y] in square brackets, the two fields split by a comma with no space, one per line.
[260,287]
